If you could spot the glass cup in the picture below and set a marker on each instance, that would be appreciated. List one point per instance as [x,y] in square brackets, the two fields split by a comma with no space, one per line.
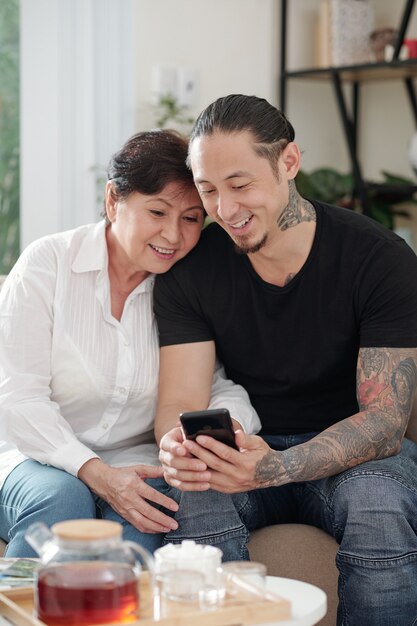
[177,591]
[204,560]
[246,579]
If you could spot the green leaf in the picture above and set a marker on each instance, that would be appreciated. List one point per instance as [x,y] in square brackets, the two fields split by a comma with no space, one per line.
[169,111]
[382,213]
[324,184]
[395,179]
[305,185]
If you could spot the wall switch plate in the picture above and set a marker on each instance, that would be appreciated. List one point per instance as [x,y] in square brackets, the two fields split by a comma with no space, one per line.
[187,86]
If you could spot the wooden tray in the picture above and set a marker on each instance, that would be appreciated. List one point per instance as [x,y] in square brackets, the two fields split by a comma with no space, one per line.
[17,605]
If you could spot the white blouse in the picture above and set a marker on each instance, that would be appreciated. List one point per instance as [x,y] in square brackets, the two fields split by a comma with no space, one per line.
[75,383]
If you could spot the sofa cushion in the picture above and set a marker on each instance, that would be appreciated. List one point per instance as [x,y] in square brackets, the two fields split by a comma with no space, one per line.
[301,552]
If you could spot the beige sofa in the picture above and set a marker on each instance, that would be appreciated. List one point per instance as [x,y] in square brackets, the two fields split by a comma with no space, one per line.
[301,552]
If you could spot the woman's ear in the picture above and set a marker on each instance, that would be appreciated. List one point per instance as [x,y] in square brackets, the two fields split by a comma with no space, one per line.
[291,159]
[110,201]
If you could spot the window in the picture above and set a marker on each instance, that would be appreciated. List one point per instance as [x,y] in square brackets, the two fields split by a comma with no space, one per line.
[9,134]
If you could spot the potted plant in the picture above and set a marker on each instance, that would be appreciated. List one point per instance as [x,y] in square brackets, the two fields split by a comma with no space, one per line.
[328,185]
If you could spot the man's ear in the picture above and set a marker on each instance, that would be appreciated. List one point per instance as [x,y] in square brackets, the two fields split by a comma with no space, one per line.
[111,201]
[291,159]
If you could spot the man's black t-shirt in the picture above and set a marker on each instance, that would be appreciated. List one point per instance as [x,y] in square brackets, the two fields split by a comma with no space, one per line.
[295,348]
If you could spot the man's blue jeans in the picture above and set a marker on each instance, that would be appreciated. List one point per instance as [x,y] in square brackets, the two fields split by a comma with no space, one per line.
[371,511]
[39,493]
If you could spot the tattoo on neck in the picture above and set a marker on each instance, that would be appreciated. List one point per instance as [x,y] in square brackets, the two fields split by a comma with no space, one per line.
[297,210]
[289,278]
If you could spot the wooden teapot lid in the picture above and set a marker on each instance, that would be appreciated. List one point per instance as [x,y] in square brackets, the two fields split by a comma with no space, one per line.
[88,529]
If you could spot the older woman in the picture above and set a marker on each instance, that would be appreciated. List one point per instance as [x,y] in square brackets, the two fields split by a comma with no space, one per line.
[79,355]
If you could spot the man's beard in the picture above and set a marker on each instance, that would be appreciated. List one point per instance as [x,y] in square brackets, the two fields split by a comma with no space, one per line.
[247,249]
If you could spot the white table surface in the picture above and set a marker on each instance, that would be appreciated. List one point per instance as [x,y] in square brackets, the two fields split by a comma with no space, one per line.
[309,603]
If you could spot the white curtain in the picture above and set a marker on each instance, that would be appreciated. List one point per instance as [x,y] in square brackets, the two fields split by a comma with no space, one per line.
[77,106]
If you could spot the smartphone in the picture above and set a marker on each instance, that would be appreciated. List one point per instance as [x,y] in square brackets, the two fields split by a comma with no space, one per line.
[214,422]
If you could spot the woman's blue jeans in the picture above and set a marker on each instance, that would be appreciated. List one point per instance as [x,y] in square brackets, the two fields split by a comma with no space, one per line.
[39,493]
[371,511]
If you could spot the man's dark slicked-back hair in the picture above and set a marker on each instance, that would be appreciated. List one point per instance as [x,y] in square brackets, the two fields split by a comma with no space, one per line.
[237,113]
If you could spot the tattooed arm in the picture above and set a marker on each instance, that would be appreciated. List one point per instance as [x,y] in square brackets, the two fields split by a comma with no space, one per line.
[386,383]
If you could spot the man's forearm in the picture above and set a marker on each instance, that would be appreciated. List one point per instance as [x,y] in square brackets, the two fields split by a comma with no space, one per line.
[386,384]
[363,437]
[185,379]
[167,417]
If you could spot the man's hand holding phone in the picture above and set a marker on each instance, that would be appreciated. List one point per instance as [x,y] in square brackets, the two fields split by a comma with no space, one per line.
[182,469]
[254,465]
[210,463]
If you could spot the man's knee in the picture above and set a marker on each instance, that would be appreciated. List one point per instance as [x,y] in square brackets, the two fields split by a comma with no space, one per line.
[375,508]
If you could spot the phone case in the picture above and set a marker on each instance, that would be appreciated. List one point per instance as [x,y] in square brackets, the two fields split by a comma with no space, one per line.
[216,423]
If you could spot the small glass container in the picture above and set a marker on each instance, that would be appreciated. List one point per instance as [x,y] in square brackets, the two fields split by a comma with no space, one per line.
[245,579]
[198,558]
[179,590]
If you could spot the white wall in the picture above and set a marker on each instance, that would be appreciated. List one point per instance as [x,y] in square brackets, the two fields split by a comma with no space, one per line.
[232,45]
[87,85]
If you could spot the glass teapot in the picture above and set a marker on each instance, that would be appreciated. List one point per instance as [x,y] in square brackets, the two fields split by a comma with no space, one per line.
[88,574]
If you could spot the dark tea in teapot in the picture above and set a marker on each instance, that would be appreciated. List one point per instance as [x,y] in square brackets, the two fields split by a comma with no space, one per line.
[88,574]
[77,594]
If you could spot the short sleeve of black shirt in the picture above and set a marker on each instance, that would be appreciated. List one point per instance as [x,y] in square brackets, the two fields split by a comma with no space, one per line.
[386,298]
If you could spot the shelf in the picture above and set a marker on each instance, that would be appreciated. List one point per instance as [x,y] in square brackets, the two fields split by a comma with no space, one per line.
[407,189]
[354,76]
[356,73]
[397,191]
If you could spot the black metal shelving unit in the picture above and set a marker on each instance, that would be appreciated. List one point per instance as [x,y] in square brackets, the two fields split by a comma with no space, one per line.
[355,75]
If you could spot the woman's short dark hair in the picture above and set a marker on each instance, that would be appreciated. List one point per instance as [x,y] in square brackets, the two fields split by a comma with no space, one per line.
[148,161]
[272,131]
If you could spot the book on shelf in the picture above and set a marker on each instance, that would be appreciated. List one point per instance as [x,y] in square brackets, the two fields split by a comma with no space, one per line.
[343,32]
[323,44]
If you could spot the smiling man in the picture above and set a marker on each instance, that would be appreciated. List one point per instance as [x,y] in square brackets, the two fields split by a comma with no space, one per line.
[313,309]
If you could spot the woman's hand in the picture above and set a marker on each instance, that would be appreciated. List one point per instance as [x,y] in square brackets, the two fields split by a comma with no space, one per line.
[127,493]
